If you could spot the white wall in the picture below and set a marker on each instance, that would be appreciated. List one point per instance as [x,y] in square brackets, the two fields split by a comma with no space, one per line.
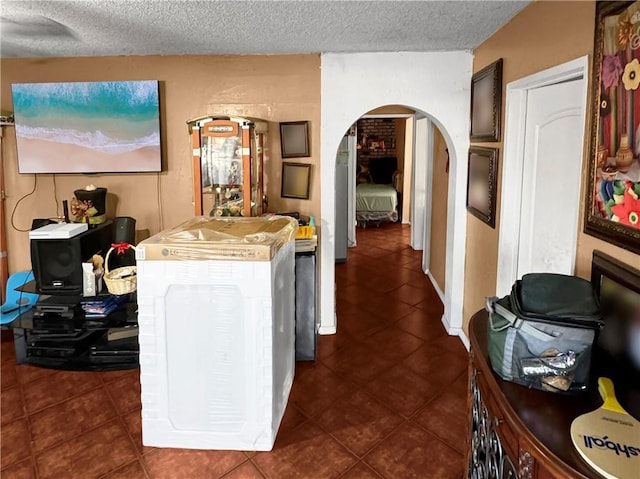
[437,84]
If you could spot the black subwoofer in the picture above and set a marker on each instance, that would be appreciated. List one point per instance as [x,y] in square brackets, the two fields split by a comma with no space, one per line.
[57,263]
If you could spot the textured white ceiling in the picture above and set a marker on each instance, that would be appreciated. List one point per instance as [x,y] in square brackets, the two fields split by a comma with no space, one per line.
[125,27]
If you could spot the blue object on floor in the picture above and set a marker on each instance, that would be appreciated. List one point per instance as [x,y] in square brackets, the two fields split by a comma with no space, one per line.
[17,302]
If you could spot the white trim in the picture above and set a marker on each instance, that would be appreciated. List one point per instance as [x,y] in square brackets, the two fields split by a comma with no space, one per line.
[448,327]
[407,172]
[465,340]
[564,72]
[512,163]
[456,332]
[435,285]
[389,115]
[428,189]
[447,324]
[326,330]
[351,187]
[422,145]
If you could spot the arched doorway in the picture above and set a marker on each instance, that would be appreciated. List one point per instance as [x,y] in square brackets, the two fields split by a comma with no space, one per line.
[392,170]
[434,83]
[377,154]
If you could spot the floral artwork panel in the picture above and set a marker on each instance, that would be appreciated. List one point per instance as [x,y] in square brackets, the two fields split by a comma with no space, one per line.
[613,197]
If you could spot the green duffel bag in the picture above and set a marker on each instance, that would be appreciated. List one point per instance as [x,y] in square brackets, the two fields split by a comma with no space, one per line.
[556,297]
[541,335]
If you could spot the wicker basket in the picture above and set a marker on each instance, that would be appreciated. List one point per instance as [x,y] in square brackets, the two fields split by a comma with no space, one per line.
[116,284]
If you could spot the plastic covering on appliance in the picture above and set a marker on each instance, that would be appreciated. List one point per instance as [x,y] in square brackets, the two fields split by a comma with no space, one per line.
[204,237]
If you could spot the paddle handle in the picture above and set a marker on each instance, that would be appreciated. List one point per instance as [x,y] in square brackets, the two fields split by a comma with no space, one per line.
[605,388]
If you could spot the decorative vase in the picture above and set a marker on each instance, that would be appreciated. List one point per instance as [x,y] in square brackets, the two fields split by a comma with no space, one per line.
[98,198]
[624,155]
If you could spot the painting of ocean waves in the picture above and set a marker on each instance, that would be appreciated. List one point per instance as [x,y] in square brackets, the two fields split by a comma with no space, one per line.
[87,127]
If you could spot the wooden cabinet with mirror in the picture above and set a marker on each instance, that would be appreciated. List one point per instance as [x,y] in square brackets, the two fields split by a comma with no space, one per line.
[228,157]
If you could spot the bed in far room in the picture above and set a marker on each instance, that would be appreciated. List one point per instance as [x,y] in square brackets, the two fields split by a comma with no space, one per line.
[376,192]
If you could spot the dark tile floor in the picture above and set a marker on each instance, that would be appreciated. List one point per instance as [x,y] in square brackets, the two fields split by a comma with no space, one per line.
[385,399]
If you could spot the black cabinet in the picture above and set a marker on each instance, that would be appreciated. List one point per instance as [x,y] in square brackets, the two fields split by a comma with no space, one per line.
[73,342]
[306,322]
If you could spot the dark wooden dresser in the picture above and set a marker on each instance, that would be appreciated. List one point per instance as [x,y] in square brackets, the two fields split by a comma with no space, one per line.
[517,432]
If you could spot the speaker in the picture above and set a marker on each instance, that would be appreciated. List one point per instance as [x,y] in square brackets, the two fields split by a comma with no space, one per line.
[40,222]
[124,230]
[57,263]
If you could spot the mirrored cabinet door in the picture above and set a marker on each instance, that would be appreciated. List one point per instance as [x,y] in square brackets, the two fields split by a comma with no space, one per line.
[228,166]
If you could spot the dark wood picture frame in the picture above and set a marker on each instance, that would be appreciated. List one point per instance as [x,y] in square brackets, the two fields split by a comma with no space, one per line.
[296,179]
[612,213]
[481,183]
[294,139]
[486,103]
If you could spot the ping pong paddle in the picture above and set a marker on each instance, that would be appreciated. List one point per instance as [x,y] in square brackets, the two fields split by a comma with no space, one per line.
[608,439]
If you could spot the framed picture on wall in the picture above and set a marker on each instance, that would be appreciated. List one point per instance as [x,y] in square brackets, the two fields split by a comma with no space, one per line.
[296,178]
[486,103]
[612,211]
[481,183]
[294,139]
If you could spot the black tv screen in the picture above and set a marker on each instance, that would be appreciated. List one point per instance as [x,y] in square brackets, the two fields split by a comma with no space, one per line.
[87,127]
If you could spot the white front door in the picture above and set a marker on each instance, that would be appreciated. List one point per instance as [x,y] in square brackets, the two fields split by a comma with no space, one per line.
[551,178]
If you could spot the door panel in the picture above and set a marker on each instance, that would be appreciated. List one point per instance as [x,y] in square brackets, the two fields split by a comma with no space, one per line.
[551,179]
[342,201]
[419,186]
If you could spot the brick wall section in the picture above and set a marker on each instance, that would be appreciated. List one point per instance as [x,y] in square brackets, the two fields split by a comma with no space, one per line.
[377,129]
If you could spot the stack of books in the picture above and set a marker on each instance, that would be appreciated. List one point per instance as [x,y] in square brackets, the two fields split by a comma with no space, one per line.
[306,244]
[102,307]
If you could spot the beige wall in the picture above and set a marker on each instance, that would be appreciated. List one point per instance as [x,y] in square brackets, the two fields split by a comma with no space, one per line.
[391,110]
[274,88]
[439,195]
[543,35]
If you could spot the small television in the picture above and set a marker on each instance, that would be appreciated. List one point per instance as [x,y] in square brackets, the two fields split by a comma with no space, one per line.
[87,127]
[617,286]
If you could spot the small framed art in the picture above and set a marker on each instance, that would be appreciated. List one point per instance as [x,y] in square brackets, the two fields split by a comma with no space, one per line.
[486,103]
[296,178]
[481,185]
[294,139]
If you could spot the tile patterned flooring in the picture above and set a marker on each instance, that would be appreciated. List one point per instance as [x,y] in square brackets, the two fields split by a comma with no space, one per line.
[386,397]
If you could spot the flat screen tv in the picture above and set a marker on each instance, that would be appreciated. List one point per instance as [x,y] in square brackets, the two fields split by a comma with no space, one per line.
[87,127]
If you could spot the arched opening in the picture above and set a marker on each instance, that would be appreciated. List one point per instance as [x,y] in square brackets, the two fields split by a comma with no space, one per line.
[376,155]
[392,171]
[391,345]
[435,84]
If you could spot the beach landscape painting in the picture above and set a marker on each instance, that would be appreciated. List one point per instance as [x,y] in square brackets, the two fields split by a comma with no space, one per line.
[87,127]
